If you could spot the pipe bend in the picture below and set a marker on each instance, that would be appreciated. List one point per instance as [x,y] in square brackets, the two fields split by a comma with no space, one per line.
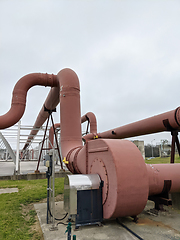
[18,103]
[92,120]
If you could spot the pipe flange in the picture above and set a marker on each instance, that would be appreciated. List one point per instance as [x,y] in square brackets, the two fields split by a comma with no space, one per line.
[75,160]
[70,165]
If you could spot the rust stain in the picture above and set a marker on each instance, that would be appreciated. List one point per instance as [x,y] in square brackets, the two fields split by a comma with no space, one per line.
[150,222]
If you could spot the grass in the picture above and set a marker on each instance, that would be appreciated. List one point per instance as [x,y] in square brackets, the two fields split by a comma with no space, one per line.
[14,225]
[162,160]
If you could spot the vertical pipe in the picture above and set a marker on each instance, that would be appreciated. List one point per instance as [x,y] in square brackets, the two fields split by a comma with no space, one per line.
[70,113]
[17,149]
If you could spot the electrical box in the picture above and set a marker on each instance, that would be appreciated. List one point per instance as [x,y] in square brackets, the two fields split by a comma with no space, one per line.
[83,198]
[47,160]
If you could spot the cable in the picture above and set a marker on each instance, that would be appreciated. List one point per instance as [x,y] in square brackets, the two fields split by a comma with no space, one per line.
[61,218]
[128,229]
[64,223]
[58,219]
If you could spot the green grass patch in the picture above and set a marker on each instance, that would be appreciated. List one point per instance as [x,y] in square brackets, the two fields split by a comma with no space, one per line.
[162,160]
[13,223]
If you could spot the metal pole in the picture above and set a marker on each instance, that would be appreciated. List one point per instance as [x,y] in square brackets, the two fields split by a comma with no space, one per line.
[53,228]
[17,149]
[47,217]
[177,143]
[6,154]
[53,176]
[173,146]
[57,143]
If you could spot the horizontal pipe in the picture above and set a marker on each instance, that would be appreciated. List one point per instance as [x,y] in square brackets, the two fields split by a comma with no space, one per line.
[19,96]
[163,122]
[158,173]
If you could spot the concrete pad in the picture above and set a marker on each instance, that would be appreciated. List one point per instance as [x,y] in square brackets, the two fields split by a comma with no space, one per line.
[164,226]
[7,167]
[8,190]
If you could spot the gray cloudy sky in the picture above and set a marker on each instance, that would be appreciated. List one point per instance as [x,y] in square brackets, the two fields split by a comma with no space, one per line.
[125,52]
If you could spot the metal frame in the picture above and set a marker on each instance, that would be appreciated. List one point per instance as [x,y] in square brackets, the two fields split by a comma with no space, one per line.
[50,116]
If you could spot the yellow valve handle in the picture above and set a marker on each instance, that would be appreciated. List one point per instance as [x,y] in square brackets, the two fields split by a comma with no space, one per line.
[95,137]
[64,160]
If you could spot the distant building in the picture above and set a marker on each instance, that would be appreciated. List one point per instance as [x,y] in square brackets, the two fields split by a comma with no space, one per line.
[165,150]
[140,145]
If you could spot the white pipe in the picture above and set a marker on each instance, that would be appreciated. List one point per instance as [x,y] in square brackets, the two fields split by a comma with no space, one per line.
[17,149]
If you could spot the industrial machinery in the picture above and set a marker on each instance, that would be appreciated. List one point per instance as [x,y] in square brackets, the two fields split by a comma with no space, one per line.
[127,181]
[83,198]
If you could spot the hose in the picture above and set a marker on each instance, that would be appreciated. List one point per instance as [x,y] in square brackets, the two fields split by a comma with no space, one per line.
[128,229]
[58,219]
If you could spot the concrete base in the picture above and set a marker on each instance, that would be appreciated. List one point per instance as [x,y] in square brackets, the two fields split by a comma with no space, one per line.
[27,171]
[164,226]
[32,176]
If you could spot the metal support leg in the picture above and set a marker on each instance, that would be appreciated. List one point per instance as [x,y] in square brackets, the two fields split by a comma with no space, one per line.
[177,144]
[173,146]
[175,140]
[57,143]
[37,171]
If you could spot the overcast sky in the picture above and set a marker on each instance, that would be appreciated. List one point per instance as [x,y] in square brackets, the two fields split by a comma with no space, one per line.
[126,54]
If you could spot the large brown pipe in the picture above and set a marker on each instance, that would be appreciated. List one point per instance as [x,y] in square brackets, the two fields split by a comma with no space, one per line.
[157,173]
[163,122]
[70,113]
[19,96]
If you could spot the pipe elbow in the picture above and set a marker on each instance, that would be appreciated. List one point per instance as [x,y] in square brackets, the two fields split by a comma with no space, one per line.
[93,122]
[68,78]
[21,88]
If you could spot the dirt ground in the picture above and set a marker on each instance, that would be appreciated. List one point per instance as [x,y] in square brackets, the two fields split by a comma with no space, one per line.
[36,228]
